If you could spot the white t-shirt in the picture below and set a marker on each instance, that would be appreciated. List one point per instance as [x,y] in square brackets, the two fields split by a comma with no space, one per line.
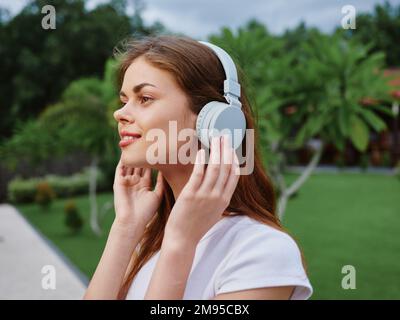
[237,253]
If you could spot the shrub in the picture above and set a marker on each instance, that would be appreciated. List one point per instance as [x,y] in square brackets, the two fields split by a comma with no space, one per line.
[364,161]
[340,161]
[68,186]
[44,194]
[386,158]
[20,190]
[73,219]
[397,169]
[24,190]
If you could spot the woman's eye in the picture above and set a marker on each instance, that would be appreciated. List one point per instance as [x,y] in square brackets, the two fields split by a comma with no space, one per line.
[145,99]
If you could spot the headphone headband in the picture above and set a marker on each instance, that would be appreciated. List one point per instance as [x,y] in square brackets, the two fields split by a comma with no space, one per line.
[231,84]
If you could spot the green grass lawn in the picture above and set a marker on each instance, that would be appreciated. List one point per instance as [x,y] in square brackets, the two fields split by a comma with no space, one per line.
[349,219]
[337,219]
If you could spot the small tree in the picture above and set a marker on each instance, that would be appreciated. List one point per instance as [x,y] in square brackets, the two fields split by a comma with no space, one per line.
[73,219]
[44,195]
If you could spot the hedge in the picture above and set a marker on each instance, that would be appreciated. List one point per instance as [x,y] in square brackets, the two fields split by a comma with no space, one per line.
[24,190]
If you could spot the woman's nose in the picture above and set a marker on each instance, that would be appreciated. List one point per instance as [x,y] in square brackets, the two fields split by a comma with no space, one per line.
[123,115]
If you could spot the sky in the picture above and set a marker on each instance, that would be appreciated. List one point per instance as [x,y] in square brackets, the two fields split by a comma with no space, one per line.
[203,17]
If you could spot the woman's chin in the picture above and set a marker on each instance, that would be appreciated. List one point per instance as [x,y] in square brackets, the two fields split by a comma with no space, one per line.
[132,161]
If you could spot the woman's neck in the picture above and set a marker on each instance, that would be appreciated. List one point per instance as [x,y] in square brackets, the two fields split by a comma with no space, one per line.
[177,176]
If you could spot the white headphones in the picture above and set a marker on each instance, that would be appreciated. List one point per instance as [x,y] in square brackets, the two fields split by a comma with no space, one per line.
[220,117]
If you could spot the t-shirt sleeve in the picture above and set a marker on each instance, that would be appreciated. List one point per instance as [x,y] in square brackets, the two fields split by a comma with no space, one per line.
[263,258]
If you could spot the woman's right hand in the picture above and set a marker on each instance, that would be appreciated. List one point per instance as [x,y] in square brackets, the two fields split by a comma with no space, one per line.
[134,200]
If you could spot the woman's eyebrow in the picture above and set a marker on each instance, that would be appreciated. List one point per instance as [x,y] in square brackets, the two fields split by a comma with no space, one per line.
[138,87]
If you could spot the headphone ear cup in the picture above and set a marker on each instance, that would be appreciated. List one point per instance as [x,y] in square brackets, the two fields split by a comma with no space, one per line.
[203,122]
[230,120]
[217,118]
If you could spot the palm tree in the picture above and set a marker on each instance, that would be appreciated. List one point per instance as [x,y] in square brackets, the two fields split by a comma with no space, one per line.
[312,95]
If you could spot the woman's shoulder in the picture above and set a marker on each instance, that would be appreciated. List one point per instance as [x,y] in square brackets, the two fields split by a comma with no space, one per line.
[252,239]
[245,227]
[260,255]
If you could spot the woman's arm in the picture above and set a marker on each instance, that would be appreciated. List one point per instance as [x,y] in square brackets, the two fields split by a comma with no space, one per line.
[135,203]
[270,293]
[199,206]
[171,272]
[110,272]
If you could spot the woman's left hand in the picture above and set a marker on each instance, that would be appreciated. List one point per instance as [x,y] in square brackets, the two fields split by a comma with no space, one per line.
[206,195]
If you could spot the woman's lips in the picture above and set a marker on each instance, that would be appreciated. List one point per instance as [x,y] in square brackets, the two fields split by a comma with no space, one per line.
[126,142]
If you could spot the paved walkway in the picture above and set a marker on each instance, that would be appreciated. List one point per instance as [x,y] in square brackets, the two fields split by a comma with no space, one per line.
[23,255]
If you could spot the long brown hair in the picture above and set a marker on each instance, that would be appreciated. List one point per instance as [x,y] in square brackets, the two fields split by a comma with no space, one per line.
[200,75]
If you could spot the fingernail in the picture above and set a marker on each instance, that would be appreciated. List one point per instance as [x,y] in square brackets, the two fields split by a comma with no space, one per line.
[227,138]
[215,140]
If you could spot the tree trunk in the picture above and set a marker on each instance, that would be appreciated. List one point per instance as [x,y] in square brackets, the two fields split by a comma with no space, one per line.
[105,209]
[286,193]
[94,219]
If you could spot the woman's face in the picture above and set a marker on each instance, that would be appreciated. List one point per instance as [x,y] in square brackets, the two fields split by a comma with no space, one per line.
[151,99]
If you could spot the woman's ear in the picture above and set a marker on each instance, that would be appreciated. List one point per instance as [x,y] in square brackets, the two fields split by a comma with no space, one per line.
[192,119]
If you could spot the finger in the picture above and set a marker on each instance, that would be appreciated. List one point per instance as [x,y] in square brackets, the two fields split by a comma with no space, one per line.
[147,174]
[213,167]
[226,163]
[159,188]
[145,179]
[136,171]
[198,170]
[120,171]
[234,175]
[120,168]
[124,170]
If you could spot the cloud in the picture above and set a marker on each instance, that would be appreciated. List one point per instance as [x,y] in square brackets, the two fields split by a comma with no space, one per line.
[13,6]
[202,17]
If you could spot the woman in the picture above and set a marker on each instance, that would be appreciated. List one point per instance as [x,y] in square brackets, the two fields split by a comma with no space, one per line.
[204,232]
